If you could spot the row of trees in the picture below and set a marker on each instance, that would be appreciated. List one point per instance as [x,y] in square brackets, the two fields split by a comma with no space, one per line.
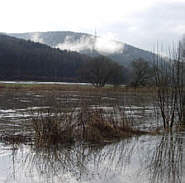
[156,72]
[101,70]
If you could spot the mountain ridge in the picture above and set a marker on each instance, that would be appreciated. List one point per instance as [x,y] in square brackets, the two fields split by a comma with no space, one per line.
[26,60]
[88,44]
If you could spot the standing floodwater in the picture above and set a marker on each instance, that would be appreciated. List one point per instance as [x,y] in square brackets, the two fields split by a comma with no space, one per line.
[145,159]
[156,157]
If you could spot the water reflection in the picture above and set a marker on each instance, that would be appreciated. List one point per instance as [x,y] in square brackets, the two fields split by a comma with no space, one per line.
[147,159]
[167,162]
[80,162]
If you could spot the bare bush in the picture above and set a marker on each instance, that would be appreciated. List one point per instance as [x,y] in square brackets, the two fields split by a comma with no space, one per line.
[169,81]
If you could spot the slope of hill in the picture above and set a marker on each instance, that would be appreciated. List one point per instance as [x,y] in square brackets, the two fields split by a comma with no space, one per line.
[27,60]
[88,44]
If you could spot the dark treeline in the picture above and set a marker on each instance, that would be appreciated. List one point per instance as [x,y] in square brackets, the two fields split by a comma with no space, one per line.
[26,60]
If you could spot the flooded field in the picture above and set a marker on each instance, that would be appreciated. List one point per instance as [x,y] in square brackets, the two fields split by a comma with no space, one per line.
[154,158]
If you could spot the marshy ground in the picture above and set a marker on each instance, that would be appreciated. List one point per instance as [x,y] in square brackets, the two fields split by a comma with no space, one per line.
[73,112]
[73,133]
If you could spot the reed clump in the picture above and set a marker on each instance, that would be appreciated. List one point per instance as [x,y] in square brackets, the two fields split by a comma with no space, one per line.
[82,125]
[52,128]
[101,128]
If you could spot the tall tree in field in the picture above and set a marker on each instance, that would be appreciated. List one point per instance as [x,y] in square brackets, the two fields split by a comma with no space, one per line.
[142,73]
[100,71]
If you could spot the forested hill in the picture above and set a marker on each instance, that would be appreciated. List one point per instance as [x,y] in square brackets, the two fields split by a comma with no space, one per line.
[88,44]
[27,60]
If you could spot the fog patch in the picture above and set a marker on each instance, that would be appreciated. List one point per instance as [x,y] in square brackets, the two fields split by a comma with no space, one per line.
[103,45]
[36,37]
[107,46]
[84,43]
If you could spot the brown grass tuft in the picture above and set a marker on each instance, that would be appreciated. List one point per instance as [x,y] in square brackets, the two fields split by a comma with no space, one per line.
[51,129]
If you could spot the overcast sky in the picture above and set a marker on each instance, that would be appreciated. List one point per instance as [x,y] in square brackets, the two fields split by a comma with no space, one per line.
[137,22]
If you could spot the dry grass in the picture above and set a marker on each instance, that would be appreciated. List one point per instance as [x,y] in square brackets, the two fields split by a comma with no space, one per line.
[52,128]
[82,125]
[73,87]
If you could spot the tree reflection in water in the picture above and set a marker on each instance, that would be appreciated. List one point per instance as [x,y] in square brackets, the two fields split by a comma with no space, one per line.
[167,162]
[80,162]
[163,156]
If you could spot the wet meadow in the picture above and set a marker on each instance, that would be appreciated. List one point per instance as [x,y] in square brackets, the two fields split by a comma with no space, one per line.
[78,133]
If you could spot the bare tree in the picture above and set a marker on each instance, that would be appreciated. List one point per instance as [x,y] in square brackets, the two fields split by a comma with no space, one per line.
[100,71]
[142,73]
[169,81]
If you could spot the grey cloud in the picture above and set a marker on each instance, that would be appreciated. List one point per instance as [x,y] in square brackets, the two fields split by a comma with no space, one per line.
[163,22]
